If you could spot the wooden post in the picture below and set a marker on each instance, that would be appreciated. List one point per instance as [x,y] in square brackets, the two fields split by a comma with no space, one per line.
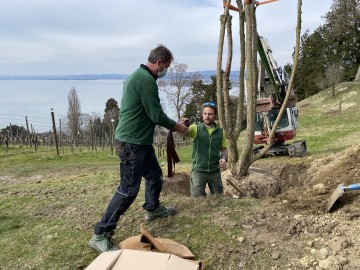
[60,137]
[28,131]
[54,129]
[112,136]
[11,135]
[91,135]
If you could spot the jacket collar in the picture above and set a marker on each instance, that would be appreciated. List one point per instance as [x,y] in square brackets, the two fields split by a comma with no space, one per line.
[148,69]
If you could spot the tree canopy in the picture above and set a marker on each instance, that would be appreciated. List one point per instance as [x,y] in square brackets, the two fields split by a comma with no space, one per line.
[337,41]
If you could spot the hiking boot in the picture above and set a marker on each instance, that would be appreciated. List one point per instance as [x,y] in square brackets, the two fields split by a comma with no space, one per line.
[161,211]
[102,242]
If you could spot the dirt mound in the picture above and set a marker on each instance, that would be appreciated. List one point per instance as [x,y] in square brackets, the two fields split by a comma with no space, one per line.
[340,168]
[329,171]
[178,184]
[292,212]
[293,182]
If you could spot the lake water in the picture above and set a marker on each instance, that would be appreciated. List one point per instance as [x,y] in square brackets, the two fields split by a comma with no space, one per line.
[35,98]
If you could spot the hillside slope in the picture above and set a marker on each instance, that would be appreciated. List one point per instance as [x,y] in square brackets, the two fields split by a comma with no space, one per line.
[331,124]
[294,221]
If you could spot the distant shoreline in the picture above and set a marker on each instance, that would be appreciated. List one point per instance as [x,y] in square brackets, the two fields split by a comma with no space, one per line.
[65,77]
[206,74]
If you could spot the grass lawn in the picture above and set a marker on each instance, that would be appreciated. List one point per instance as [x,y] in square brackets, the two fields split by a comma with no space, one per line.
[49,204]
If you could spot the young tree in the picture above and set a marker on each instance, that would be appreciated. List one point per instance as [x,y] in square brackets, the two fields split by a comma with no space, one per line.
[84,127]
[73,115]
[333,75]
[239,166]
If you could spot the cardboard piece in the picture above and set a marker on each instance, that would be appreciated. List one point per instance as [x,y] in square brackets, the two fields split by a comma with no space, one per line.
[144,252]
[127,259]
[105,261]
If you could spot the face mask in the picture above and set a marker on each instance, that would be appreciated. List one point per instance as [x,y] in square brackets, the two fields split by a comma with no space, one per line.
[162,74]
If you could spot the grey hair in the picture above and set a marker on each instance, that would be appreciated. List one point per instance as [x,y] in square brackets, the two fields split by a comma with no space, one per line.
[160,53]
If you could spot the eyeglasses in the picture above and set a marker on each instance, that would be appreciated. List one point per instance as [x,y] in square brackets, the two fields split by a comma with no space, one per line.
[209,104]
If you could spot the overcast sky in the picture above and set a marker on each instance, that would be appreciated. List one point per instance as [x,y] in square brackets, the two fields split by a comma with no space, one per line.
[41,37]
[65,37]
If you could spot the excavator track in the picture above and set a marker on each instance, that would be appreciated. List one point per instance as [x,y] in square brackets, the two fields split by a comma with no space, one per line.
[296,149]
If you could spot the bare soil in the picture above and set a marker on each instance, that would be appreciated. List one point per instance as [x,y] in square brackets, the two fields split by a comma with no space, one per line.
[292,219]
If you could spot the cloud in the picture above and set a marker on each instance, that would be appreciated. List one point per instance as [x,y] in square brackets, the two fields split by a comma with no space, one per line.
[115,36]
[59,37]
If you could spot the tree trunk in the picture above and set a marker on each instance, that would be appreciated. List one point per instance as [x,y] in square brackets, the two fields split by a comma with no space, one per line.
[240,108]
[244,161]
[223,20]
[223,88]
[233,152]
[357,77]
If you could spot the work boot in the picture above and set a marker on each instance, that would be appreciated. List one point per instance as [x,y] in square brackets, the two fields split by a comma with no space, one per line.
[161,211]
[102,242]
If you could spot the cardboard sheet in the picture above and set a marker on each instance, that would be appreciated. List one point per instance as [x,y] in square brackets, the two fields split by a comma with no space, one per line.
[127,259]
[105,261]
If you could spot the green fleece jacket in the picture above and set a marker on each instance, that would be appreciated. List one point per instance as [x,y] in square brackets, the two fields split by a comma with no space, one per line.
[140,109]
[206,148]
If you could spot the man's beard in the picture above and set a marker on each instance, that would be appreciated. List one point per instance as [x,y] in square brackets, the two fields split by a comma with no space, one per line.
[209,122]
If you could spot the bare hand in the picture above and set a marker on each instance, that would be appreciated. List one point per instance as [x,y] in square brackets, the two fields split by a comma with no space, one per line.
[181,128]
[222,163]
[182,120]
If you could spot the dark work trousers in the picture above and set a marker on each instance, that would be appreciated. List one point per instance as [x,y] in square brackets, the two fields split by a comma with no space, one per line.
[137,161]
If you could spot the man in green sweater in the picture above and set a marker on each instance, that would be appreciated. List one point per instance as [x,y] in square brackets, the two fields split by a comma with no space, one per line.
[140,112]
[209,153]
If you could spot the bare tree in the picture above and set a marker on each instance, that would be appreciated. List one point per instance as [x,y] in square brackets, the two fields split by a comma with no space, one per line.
[240,166]
[333,75]
[321,82]
[84,126]
[178,86]
[73,115]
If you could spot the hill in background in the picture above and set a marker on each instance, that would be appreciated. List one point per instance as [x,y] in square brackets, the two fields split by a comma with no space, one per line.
[328,123]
